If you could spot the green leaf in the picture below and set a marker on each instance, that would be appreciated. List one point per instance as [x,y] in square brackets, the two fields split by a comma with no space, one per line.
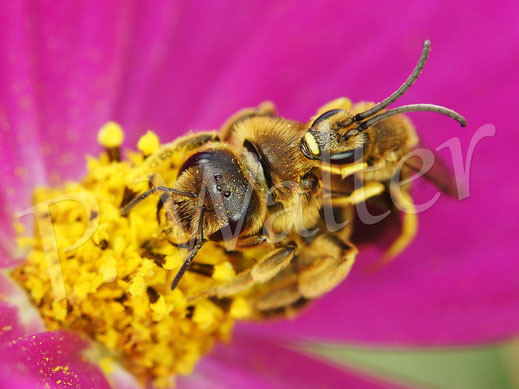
[482,367]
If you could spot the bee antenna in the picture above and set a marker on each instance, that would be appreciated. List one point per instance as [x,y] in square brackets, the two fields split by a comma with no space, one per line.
[193,252]
[128,207]
[400,91]
[414,108]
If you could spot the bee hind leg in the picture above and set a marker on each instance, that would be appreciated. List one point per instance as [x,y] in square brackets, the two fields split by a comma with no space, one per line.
[272,263]
[409,224]
[264,270]
[324,264]
[408,231]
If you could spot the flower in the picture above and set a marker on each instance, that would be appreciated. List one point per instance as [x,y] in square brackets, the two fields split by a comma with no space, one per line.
[69,68]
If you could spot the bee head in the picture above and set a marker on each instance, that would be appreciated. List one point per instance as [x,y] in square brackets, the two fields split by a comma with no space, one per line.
[225,189]
[331,138]
[341,138]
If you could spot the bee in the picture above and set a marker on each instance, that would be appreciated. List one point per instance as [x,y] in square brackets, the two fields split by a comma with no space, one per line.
[259,183]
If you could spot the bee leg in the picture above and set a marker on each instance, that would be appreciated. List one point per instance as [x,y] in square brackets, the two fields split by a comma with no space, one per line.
[344,171]
[264,109]
[281,296]
[265,269]
[251,241]
[240,283]
[288,311]
[272,263]
[370,189]
[409,224]
[278,298]
[324,264]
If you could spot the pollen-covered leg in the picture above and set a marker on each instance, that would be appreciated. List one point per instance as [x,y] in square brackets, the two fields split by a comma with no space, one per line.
[324,264]
[264,109]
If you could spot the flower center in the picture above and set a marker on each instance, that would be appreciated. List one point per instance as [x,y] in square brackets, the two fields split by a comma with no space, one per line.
[115,271]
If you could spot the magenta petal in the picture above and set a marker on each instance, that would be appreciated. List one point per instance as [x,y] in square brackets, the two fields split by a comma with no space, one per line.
[17,316]
[68,68]
[251,362]
[49,358]
[10,328]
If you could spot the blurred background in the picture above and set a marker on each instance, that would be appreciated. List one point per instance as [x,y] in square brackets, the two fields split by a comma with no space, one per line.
[445,314]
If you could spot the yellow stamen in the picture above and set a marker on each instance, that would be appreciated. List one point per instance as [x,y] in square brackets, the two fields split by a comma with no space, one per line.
[224,272]
[148,143]
[240,309]
[118,282]
[110,135]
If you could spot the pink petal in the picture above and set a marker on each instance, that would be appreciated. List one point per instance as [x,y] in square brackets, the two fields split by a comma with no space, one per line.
[252,362]
[49,358]
[10,328]
[17,316]
[68,69]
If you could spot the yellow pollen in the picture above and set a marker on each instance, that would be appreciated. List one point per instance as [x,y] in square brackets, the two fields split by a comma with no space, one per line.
[110,135]
[240,308]
[107,365]
[117,281]
[224,272]
[148,143]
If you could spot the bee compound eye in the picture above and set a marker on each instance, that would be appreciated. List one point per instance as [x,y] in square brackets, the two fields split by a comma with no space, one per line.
[347,157]
[324,116]
[196,159]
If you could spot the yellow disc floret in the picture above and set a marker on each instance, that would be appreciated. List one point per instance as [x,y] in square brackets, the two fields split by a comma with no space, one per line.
[148,143]
[117,281]
[110,135]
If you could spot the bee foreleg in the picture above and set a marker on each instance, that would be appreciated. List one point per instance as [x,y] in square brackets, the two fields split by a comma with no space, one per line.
[370,189]
[344,171]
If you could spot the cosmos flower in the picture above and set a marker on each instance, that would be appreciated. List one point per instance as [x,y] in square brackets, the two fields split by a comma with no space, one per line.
[66,69]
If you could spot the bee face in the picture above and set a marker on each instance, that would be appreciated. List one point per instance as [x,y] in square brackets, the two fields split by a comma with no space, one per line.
[330,139]
[228,197]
